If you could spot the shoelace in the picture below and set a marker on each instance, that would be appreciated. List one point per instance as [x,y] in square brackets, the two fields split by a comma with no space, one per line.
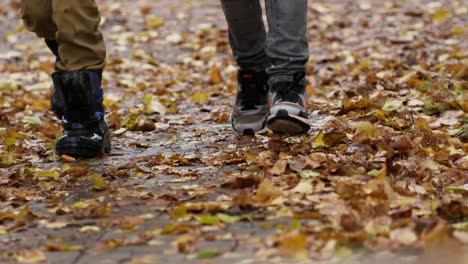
[290,92]
[249,93]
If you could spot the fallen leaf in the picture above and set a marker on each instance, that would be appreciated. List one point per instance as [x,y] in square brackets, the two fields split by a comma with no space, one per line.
[230,219]
[294,246]
[99,183]
[392,105]
[205,254]
[266,192]
[279,167]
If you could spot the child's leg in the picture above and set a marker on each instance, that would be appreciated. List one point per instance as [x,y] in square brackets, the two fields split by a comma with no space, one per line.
[73,26]
[81,45]
[70,28]
[287,44]
[37,17]
[247,34]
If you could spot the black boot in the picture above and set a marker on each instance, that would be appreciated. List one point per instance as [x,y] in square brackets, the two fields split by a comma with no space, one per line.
[86,134]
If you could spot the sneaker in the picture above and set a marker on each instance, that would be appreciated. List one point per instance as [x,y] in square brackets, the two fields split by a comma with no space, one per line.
[86,134]
[288,112]
[251,109]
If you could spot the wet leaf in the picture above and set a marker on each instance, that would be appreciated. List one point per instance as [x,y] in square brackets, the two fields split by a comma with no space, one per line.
[205,254]
[208,220]
[230,219]
[31,256]
[99,183]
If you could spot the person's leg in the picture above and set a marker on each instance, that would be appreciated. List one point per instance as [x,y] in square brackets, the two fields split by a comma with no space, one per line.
[287,47]
[37,17]
[247,35]
[70,29]
[78,76]
[81,45]
[247,38]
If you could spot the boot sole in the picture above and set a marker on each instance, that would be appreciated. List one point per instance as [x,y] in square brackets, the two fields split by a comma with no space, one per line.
[75,148]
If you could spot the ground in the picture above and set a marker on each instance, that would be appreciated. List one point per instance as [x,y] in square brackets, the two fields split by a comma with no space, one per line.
[382,175]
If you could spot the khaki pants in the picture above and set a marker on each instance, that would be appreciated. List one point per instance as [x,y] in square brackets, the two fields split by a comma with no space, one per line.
[73,24]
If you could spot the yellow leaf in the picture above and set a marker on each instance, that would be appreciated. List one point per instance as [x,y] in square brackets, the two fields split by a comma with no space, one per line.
[294,246]
[440,14]
[199,98]
[155,22]
[367,128]
[99,183]
[420,123]
[41,174]
[153,105]
[310,89]
[318,141]
[180,212]
[83,204]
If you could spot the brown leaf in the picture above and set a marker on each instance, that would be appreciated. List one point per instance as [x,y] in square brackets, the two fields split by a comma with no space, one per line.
[215,75]
[250,181]
[266,192]
[279,167]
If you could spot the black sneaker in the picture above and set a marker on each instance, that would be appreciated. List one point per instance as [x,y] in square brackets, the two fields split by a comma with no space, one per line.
[86,134]
[288,112]
[251,109]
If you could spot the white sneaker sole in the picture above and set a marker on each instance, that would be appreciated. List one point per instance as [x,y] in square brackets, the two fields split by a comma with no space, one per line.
[285,119]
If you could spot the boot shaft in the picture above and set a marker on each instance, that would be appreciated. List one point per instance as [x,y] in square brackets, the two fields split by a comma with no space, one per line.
[81,94]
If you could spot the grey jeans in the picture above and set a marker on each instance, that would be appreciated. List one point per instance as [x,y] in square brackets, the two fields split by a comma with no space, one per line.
[283,50]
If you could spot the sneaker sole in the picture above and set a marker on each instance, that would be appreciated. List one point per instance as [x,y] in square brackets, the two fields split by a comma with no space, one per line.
[250,131]
[250,128]
[283,123]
